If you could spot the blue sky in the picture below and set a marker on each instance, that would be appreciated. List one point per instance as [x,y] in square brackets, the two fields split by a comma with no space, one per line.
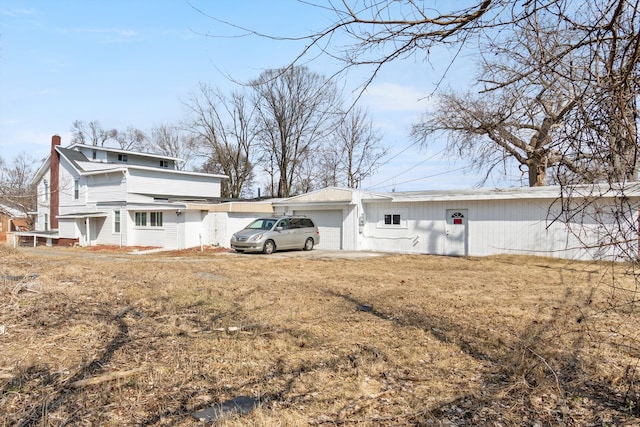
[131,63]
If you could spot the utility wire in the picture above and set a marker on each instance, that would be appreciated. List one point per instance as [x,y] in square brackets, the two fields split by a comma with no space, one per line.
[424,177]
[379,184]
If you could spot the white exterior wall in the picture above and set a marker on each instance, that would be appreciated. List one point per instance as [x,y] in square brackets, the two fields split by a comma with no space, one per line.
[193,230]
[106,234]
[159,183]
[42,202]
[223,224]
[67,228]
[66,190]
[104,156]
[513,226]
[105,187]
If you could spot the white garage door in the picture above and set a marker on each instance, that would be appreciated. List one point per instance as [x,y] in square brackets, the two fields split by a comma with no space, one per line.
[330,226]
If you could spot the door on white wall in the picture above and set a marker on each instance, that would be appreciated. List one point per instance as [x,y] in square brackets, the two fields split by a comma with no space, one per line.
[456,232]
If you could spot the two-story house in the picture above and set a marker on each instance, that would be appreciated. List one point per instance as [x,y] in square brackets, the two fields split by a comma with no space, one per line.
[98,195]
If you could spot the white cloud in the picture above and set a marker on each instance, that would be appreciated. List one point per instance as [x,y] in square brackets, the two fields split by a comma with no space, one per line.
[14,13]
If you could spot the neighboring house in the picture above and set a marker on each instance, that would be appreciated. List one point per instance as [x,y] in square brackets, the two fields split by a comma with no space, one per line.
[12,218]
[93,195]
[475,222]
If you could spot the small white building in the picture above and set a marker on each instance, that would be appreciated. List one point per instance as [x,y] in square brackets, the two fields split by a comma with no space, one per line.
[476,222]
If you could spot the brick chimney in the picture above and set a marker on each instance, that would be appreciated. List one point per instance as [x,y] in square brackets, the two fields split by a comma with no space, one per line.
[54,185]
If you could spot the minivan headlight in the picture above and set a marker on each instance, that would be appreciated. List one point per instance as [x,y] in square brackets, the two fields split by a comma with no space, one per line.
[255,237]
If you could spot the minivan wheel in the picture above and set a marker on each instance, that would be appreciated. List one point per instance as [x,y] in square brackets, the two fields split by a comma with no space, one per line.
[269,247]
[308,245]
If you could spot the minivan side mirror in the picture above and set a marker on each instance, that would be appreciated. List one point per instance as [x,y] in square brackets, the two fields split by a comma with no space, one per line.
[279,228]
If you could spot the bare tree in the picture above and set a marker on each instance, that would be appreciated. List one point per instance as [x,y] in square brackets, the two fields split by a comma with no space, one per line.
[169,140]
[356,147]
[90,133]
[296,108]
[131,139]
[224,133]
[15,182]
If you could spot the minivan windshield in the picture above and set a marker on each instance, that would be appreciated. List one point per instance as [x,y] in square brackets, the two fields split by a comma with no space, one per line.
[261,224]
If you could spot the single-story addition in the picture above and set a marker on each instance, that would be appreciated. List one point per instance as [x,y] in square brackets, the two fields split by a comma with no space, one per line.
[91,195]
[476,222]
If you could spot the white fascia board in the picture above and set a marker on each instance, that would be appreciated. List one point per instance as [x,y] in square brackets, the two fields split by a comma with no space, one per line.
[41,170]
[177,172]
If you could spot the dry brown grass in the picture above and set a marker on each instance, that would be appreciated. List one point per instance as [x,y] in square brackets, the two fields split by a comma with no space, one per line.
[106,338]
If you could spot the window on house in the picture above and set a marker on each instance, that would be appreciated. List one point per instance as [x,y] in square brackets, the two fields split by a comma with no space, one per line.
[156,219]
[46,222]
[164,163]
[123,158]
[46,190]
[76,189]
[116,221]
[392,219]
[94,154]
[141,219]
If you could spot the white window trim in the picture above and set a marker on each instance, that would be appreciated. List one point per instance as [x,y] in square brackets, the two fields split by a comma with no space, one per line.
[113,228]
[147,225]
[403,219]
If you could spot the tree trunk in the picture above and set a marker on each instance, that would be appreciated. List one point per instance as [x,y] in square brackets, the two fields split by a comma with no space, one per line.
[537,171]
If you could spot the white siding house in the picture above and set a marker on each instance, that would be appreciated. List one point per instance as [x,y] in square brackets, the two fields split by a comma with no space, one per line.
[95,195]
[474,222]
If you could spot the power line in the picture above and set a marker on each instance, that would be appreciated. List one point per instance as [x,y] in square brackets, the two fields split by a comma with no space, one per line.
[407,170]
[424,177]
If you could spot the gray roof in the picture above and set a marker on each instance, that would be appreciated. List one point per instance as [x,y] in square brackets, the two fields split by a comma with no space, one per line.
[73,156]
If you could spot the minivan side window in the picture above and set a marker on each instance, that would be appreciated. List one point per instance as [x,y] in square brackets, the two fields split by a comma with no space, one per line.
[283,224]
[294,223]
[306,223]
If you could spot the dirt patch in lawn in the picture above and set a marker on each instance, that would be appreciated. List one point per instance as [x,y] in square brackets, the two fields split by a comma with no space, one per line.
[390,340]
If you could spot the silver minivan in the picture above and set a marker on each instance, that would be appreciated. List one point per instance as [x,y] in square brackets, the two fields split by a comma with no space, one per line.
[269,234]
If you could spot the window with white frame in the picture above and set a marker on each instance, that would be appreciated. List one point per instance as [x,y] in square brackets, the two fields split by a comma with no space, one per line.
[148,219]
[116,221]
[141,219]
[164,163]
[123,158]
[46,222]
[76,189]
[155,219]
[393,219]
